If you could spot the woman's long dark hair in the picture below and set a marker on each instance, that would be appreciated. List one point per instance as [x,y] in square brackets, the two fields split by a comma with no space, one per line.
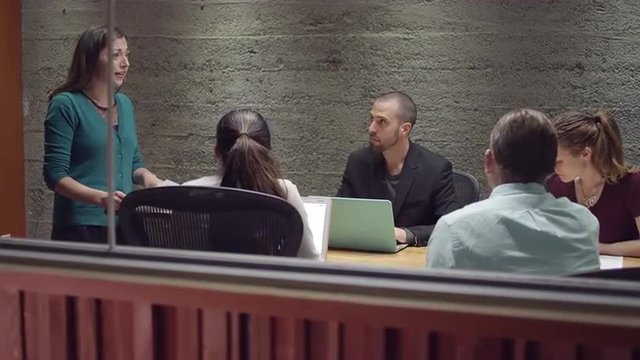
[85,59]
[243,141]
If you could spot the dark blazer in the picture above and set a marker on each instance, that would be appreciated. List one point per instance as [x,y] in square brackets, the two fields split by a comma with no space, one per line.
[424,193]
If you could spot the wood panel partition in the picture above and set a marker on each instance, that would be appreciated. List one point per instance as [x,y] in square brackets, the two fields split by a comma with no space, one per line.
[154,305]
[12,208]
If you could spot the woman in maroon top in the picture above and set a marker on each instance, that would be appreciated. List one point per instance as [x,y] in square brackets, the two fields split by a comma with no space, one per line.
[590,170]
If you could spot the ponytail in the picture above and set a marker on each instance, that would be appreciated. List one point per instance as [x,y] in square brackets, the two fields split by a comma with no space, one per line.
[608,156]
[249,165]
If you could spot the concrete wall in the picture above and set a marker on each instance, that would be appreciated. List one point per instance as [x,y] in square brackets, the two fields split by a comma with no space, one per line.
[312,67]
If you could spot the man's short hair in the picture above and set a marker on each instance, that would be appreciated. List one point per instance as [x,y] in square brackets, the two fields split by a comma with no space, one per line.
[406,107]
[525,145]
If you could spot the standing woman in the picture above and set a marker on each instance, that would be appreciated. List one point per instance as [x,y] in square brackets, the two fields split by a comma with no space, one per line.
[243,147]
[591,171]
[75,139]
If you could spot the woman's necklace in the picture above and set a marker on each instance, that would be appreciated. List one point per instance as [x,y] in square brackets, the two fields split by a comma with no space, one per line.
[95,103]
[590,201]
[102,110]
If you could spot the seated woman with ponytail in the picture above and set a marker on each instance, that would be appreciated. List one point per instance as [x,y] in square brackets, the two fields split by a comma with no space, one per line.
[590,170]
[243,147]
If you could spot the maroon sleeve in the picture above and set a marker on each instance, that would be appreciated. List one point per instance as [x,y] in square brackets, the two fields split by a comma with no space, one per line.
[634,194]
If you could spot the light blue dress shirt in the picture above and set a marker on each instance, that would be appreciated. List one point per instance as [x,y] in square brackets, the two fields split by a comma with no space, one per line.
[520,228]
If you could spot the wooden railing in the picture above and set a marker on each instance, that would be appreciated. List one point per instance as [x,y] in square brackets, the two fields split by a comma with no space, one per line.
[61,302]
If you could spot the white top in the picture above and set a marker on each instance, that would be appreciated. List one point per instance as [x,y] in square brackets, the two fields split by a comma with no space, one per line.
[520,228]
[307,247]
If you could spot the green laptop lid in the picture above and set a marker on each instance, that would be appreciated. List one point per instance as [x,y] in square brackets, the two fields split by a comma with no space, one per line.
[362,224]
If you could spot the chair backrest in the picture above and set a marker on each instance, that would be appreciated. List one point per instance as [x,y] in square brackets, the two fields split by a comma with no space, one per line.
[210,219]
[466,186]
[630,274]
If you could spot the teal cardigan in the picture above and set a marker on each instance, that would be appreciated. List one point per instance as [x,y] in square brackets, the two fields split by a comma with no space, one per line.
[75,145]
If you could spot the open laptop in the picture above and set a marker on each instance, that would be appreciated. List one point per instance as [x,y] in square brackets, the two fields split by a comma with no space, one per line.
[318,211]
[363,224]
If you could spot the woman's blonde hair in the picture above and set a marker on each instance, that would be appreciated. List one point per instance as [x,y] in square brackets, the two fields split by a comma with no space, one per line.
[599,132]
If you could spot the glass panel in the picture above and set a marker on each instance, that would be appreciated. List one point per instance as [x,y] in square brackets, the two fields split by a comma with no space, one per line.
[313,70]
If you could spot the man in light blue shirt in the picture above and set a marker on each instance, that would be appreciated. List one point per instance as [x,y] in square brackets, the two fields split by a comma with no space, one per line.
[520,228]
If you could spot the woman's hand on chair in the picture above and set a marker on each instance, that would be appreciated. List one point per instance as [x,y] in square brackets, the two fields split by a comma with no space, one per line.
[118,196]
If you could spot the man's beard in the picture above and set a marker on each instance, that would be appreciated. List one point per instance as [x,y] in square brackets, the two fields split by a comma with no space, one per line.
[381,147]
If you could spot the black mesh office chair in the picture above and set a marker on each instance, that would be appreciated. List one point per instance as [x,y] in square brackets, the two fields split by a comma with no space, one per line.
[210,219]
[466,186]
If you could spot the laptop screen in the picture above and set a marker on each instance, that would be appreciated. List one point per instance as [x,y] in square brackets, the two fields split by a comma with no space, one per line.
[317,218]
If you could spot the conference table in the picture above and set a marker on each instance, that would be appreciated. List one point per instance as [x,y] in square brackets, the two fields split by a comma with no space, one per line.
[412,257]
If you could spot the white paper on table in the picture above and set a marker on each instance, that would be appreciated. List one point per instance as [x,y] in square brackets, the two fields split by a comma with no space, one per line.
[167,183]
[610,262]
